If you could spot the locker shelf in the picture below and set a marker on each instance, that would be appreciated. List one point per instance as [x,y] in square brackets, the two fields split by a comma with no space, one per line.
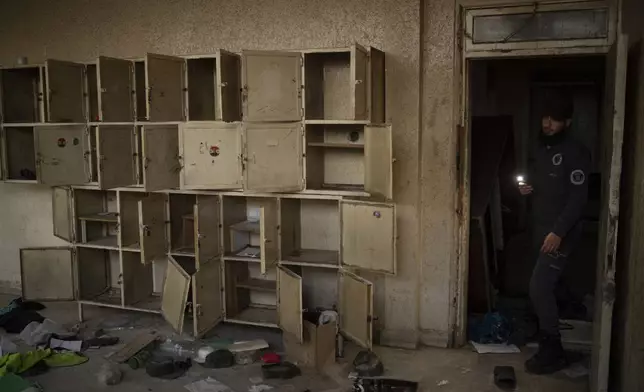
[313,256]
[246,226]
[256,315]
[111,217]
[336,145]
[258,285]
[109,242]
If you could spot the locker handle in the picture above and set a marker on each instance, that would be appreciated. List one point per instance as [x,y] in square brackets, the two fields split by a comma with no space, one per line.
[359,81]
[146,230]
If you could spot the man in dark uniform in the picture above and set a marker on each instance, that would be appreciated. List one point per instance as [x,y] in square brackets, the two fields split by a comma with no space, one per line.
[557,183]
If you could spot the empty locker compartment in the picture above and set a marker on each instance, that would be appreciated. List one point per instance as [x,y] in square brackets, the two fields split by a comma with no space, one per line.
[91,87]
[310,232]
[138,283]
[182,224]
[97,219]
[99,276]
[19,154]
[251,297]
[22,94]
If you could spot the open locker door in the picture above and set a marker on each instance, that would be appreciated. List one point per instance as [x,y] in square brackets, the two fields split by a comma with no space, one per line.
[356,308]
[289,303]
[207,234]
[116,156]
[271,85]
[228,86]
[612,138]
[273,157]
[152,227]
[211,155]
[65,91]
[207,297]
[161,165]
[136,279]
[359,60]
[268,243]
[164,79]
[62,154]
[175,294]
[378,161]
[368,238]
[376,86]
[47,274]
[62,210]
[115,86]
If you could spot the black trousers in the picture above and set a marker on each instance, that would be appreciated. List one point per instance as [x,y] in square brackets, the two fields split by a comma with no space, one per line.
[545,276]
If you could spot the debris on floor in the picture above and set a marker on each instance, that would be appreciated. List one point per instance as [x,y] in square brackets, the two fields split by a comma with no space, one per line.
[505,378]
[167,368]
[377,384]
[495,348]
[442,383]
[137,344]
[109,374]
[367,364]
[207,385]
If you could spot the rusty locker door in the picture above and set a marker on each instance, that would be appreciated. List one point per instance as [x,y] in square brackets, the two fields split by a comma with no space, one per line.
[207,298]
[62,154]
[116,153]
[175,295]
[228,87]
[207,231]
[152,227]
[356,308]
[65,91]
[271,85]
[289,303]
[359,61]
[378,161]
[268,235]
[164,77]
[47,274]
[62,213]
[115,86]
[161,166]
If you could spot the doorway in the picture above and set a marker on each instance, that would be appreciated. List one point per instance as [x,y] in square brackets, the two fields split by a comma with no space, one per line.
[506,101]
[596,79]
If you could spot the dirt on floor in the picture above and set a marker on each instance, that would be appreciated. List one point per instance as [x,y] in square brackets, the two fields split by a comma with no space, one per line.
[434,369]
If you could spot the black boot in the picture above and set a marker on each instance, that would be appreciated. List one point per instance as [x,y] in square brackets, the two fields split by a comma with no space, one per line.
[550,358]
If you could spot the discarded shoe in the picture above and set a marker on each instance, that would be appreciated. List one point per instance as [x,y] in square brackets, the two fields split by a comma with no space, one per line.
[505,378]
[284,370]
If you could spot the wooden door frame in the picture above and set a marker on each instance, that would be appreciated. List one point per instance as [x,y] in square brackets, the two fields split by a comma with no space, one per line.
[460,268]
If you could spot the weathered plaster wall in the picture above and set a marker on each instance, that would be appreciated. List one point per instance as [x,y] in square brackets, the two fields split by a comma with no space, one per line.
[81,30]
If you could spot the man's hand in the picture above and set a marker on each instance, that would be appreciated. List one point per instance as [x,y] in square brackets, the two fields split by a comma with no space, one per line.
[551,243]
[525,189]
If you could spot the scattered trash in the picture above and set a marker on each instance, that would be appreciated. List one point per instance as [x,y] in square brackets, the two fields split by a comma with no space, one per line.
[132,347]
[182,349]
[221,358]
[36,333]
[207,385]
[505,378]
[465,370]
[367,364]
[98,342]
[256,380]
[71,345]
[284,370]
[247,352]
[259,388]
[167,368]
[140,359]
[202,353]
[271,358]
[328,316]
[576,370]
[493,328]
[442,383]
[495,348]
[7,346]
[377,384]
[109,374]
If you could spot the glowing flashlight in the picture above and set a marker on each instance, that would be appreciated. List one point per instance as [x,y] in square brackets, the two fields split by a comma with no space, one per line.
[521,180]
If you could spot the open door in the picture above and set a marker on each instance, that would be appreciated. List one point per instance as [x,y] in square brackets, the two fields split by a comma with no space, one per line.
[207,298]
[378,161]
[211,155]
[356,308]
[376,86]
[47,274]
[228,86]
[175,294]
[164,78]
[115,86]
[152,227]
[272,86]
[161,165]
[65,91]
[207,234]
[268,242]
[273,157]
[358,83]
[136,280]
[289,303]
[368,235]
[62,154]
[62,210]
[612,137]
[116,156]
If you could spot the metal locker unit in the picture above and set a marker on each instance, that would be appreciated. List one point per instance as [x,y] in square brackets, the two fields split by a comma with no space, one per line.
[160,157]
[115,90]
[65,91]
[271,86]
[62,154]
[22,91]
[350,158]
[164,85]
[213,87]
[345,84]
[211,155]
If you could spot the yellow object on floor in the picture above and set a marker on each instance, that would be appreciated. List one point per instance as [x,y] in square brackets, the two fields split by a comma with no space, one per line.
[18,363]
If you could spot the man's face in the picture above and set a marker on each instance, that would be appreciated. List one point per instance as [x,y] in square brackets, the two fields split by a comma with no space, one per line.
[550,126]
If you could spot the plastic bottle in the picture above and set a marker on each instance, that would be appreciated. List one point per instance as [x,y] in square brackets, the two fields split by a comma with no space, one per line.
[183,349]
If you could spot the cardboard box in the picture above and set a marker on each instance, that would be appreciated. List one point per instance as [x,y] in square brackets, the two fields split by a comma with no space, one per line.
[318,349]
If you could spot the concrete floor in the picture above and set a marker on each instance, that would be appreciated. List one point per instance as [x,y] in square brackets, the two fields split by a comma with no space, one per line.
[435,369]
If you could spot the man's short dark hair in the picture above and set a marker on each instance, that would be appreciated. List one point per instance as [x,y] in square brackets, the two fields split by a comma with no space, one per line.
[559,106]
